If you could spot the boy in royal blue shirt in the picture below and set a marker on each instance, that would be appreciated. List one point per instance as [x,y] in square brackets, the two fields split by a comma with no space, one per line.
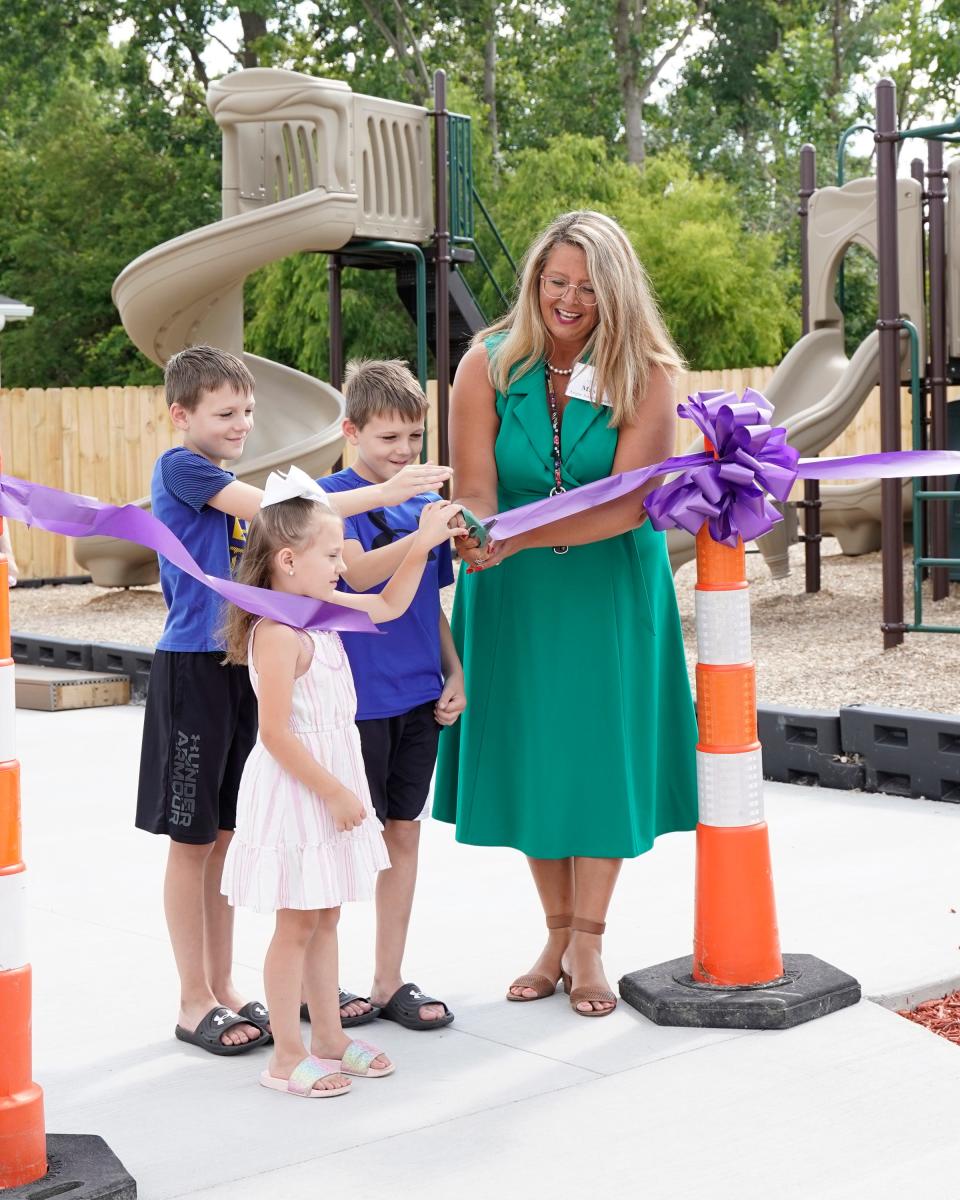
[409,681]
[201,717]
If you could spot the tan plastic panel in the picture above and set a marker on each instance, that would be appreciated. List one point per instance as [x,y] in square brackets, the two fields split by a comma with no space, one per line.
[953,258]
[840,217]
[292,149]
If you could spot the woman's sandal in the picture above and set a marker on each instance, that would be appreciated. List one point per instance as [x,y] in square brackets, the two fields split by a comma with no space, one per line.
[305,1074]
[357,1059]
[586,995]
[539,983]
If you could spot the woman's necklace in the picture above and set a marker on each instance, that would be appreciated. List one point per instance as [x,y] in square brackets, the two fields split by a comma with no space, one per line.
[561,370]
[558,487]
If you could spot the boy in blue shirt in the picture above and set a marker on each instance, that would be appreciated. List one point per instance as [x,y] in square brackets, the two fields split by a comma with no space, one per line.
[409,681]
[201,717]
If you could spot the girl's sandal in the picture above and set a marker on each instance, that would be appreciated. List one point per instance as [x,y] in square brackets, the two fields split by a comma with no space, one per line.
[357,1059]
[588,995]
[303,1077]
[539,983]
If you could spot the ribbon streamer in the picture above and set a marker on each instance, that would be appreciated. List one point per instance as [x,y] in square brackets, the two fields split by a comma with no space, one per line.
[728,490]
[81,516]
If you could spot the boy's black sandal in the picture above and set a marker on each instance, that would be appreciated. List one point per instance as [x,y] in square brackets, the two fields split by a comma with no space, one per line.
[213,1026]
[404,1008]
[256,1014]
[348,1022]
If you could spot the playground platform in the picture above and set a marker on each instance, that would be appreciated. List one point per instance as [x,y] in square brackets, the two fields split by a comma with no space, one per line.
[513,1099]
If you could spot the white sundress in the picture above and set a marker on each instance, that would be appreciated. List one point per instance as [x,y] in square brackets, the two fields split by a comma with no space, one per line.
[286,852]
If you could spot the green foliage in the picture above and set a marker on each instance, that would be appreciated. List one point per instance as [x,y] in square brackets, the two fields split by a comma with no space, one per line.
[723,295]
[107,149]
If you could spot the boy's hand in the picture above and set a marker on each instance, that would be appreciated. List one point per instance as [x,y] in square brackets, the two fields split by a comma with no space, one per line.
[346,809]
[413,479]
[435,523]
[452,701]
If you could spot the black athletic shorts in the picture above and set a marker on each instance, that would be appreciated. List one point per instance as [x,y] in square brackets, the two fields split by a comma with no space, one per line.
[199,727]
[399,754]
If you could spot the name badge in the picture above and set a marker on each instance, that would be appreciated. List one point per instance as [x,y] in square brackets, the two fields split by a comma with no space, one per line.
[582,385]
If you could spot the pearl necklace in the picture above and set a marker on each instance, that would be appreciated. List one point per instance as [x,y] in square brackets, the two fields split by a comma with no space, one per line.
[561,370]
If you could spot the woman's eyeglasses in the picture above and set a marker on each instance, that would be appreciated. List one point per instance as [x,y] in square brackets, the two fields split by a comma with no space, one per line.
[556,288]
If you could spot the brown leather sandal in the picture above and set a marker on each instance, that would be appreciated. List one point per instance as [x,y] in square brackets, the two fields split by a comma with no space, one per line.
[583,995]
[540,983]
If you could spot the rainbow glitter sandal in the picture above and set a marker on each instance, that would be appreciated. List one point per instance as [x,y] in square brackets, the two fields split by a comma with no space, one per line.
[357,1059]
[305,1074]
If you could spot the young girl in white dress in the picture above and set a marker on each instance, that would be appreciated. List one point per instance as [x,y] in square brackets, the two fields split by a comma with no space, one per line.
[307,838]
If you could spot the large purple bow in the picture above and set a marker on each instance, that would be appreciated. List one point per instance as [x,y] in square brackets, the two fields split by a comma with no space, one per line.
[729,490]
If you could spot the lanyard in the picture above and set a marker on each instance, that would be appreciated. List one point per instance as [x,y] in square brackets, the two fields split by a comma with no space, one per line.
[558,487]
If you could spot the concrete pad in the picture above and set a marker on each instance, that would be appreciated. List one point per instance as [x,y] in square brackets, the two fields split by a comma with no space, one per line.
[789,1115]
[512,1096]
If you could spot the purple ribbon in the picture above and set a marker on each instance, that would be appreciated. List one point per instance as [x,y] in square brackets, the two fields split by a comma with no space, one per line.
[728,490]
[82,516]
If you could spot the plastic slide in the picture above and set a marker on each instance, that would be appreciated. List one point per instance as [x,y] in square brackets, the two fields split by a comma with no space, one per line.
[816,392]
[290,184]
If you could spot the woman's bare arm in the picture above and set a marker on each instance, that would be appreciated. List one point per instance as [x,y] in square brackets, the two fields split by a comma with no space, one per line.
[473,431]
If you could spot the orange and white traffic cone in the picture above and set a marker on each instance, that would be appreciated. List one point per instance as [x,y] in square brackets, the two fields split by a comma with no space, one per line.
[735,940]
[23,1152]
[736,977]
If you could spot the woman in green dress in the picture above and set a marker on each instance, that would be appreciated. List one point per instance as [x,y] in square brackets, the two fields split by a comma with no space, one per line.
[577,745]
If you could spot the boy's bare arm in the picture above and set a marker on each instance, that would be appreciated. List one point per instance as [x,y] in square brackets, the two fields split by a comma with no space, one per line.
[453,698]
[238,500]
[411,481]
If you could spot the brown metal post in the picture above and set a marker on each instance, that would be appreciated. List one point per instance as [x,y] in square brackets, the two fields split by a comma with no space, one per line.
[937,375]
[335,325]
[441,261]
[888,323]
[811,487]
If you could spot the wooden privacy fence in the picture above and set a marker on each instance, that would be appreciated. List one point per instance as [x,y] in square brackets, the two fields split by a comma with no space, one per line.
[103,442]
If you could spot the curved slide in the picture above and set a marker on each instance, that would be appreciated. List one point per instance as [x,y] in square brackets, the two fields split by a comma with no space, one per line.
[190,290]
[816,392]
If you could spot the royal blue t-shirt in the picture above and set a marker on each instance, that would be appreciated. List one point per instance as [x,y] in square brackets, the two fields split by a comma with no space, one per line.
[399,670]
[182,484]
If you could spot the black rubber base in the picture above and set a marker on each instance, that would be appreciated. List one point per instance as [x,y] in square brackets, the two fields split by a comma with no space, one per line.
[80,1166]
[668,995]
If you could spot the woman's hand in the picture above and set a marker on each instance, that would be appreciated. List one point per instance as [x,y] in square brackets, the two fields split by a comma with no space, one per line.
[494,553]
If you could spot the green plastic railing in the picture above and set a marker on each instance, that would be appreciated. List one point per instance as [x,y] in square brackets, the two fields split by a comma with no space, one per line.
[465,202]
[921,496]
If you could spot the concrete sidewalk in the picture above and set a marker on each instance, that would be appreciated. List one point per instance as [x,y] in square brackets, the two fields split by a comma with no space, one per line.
[513,1098]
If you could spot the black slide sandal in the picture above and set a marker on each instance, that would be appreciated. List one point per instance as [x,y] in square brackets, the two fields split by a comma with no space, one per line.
[347,1022]
[256,1014]
[404,1008]
[208,1033]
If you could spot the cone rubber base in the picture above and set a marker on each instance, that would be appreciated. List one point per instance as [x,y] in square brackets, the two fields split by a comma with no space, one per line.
[80,1167]
[667,994]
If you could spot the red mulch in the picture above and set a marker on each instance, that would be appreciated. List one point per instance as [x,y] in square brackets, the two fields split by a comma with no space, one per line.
[939,1016]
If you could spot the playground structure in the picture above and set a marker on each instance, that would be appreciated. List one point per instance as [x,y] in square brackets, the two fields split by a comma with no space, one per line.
[817,391]
[309,165]
[918,295]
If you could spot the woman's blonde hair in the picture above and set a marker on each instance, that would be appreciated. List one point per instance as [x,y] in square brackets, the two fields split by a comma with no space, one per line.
[630,339]
[292,523]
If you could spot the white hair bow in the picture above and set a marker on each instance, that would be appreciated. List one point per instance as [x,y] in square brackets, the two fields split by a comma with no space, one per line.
[294,484]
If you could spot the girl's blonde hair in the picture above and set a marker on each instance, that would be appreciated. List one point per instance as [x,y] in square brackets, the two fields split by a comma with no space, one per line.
[292,523]
[630,339]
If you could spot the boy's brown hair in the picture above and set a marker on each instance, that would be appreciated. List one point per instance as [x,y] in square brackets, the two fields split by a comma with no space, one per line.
[375,387]
[200,369]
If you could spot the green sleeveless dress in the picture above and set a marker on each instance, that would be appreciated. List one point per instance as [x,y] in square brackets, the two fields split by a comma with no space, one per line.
[579,732]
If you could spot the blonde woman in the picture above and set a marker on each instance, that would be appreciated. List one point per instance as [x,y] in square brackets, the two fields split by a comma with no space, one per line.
[577,746]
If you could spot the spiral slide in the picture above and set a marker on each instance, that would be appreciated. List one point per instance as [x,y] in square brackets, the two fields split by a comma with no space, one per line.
[307,165]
